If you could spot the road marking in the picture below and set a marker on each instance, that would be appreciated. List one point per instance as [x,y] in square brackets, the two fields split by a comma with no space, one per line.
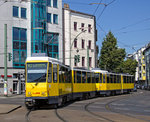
[147,110]
[122,108]
[118,104]
[96,106]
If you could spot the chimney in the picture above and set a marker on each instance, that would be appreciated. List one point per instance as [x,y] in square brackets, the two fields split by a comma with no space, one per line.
[66,6]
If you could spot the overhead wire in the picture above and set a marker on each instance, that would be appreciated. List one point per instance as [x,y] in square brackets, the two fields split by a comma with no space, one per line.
[105,5]
[97,8]
[133,24]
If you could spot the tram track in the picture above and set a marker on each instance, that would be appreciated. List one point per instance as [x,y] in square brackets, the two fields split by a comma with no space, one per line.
[108,107]
[27,116]
[96,115]
[60,117]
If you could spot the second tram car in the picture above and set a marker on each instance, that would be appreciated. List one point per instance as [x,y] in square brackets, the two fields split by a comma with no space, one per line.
[112,83]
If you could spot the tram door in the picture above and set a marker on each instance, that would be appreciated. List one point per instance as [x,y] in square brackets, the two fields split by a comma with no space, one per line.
[15,83]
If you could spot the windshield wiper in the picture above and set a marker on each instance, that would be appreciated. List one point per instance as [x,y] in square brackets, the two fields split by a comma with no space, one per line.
[40,78]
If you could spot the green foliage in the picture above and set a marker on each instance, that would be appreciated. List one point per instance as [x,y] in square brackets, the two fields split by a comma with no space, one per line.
[128,66]
[111,56]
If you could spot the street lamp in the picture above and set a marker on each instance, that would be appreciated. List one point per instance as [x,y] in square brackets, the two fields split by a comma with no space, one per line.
[73,42]
[98,3]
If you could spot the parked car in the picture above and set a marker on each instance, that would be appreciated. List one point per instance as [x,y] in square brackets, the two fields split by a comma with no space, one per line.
[134,89]
[138,86]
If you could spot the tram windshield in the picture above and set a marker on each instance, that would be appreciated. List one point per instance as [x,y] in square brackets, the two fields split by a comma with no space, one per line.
[36,72]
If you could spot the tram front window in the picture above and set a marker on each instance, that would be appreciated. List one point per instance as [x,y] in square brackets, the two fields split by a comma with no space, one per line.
[36,72]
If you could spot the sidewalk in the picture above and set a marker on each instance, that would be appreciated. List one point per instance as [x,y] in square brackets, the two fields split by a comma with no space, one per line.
[12,96]
[7,108]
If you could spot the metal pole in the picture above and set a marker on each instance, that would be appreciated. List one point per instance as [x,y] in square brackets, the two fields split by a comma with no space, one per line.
[88,57]
[5,61]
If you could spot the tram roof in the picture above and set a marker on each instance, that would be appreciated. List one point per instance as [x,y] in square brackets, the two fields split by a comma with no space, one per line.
[99,70]
[81,69]
[46,59]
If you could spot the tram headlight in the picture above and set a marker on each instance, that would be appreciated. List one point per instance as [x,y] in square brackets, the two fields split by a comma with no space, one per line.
[44,93]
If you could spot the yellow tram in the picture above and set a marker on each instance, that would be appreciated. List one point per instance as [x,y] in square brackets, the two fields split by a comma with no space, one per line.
[48,81]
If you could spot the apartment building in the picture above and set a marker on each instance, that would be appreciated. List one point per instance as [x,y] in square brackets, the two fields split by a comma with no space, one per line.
[140,75]
[147,62]
[79,39]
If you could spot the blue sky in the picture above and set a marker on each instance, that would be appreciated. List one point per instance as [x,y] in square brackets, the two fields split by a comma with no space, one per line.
[129,20]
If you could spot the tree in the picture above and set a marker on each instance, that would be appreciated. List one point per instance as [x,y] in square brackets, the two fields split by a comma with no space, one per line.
[128,66]
[110,55]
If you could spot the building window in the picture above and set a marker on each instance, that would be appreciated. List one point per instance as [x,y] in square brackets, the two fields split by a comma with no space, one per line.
[83,61]
[89,28]
[23,12]
[83,43]
[19,47]
[75,43]
[89,45]
[49,17]
[55,19]
[53,44]
[15,34]
[75,26]
[49,3]
[15,11]
[82,26]
[90,61]
[55,5]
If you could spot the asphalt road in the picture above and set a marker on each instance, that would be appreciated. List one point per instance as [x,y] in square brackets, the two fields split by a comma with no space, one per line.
[134,107]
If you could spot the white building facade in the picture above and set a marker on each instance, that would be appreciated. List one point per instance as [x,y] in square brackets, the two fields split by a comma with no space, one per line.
[140,75]
[79,39]
[33,26]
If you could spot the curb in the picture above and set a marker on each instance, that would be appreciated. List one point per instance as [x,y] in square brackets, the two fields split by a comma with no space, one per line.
[11,110]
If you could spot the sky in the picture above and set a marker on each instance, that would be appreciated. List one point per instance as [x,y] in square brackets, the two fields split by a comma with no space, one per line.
[128,20]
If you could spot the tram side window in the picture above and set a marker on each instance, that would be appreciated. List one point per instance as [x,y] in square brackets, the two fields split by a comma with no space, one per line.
[132,79]
[50,73]
[111,78]
[88,77]
[75,73]
[93,78]
[124,79]
[61,74]
[108,81]
[128,79]
[68,76]
[100,77]
[78,76]
[115,78]
[83,77]
[55,73]
[118,79]
[97,77]
[103,78]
